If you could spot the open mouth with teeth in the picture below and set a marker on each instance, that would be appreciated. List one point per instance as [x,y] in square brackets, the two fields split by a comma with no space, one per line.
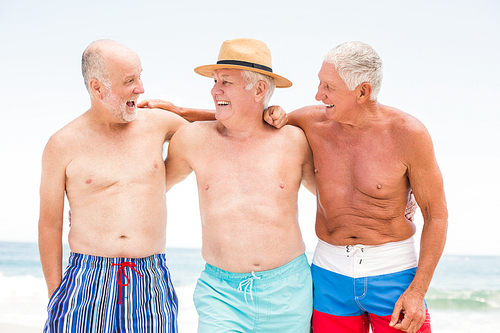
[223,103]
[131,104]
[329,105]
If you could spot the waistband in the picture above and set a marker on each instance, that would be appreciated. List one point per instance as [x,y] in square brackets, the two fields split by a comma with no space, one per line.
[78,259]
[386,250]
[366,260]
[298,264]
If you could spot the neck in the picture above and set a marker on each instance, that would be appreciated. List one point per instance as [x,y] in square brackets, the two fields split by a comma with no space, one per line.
[244,123]
[364,116]
[243,129]
[103,119]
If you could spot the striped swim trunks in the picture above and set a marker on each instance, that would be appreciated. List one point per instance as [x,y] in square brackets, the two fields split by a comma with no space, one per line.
[99,294]
[357,286]
[277,300]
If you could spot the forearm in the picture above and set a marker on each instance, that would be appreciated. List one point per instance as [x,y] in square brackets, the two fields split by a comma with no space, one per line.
[50,248]
[187,113]
[195,114]
[432,244]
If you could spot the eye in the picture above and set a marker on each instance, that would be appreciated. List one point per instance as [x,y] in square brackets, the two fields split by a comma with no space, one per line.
[327,86]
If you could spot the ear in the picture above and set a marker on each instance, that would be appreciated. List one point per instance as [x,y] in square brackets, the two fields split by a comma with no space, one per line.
[96,87]
[260,90]
[363,92]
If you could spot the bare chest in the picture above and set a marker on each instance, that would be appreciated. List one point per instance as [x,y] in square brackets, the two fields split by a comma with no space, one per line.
[99,165]
[370,166]
[257,166]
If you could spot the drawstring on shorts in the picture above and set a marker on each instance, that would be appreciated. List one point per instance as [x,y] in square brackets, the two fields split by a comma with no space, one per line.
[121,272]
[246,284]
[352,249]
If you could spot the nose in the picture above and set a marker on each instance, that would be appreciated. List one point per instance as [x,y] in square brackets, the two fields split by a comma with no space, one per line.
[216,89]
[320,95]
[140,87]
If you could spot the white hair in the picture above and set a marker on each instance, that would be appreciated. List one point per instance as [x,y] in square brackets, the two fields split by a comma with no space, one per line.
[252,78]
[356,63]
[94,65]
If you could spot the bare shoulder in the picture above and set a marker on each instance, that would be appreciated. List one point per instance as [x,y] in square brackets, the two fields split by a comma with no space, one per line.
[68,135]
[292,133]
[403,122]
[293,139]
[409,131]
[160,122]
[196,131]
[160,117]
[64,144]
[157,114]
[308,116]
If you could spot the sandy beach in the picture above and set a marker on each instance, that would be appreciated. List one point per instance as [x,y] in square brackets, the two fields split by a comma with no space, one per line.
[7,328]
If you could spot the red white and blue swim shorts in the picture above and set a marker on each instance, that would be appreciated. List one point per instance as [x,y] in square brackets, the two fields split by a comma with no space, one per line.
[357,286]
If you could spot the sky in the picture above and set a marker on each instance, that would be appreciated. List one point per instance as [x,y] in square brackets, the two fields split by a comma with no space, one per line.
[440,65]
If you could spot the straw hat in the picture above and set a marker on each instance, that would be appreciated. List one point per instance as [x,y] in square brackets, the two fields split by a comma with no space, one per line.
[247,54]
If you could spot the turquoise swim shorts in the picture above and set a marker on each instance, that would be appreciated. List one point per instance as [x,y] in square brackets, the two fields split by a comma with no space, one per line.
[278,300]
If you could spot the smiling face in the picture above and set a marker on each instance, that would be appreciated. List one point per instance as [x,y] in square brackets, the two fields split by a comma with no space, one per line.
[229,94]
[120,98]
[334,93]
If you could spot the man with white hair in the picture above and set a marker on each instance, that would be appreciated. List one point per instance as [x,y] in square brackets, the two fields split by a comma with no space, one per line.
[367,158]
[257,277]
[109,163]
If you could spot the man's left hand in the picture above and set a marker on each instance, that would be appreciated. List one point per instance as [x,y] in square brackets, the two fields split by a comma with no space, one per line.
[411,207]
[159,104]
[409,312]
[275,116]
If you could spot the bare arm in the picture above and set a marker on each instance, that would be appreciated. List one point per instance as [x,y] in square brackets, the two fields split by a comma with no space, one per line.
[169,122]
[301,117]
[427,184]
[274,115]
[186,113]
[50,224]
[308,174]
[176,165]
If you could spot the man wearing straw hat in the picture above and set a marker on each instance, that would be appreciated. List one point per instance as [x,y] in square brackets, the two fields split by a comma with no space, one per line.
[257,277]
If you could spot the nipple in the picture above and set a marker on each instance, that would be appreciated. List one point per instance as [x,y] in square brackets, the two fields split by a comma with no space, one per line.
[207,187]
[282,185]
[88,181]
[379,186]
[316,170]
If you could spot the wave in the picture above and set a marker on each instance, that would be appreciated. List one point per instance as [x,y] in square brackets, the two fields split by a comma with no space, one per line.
[23,299]
[472,300]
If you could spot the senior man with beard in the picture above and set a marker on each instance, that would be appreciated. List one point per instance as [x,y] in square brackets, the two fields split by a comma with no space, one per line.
[109,163]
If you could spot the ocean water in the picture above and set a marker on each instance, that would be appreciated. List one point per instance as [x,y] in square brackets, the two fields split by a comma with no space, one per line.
[464,296]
